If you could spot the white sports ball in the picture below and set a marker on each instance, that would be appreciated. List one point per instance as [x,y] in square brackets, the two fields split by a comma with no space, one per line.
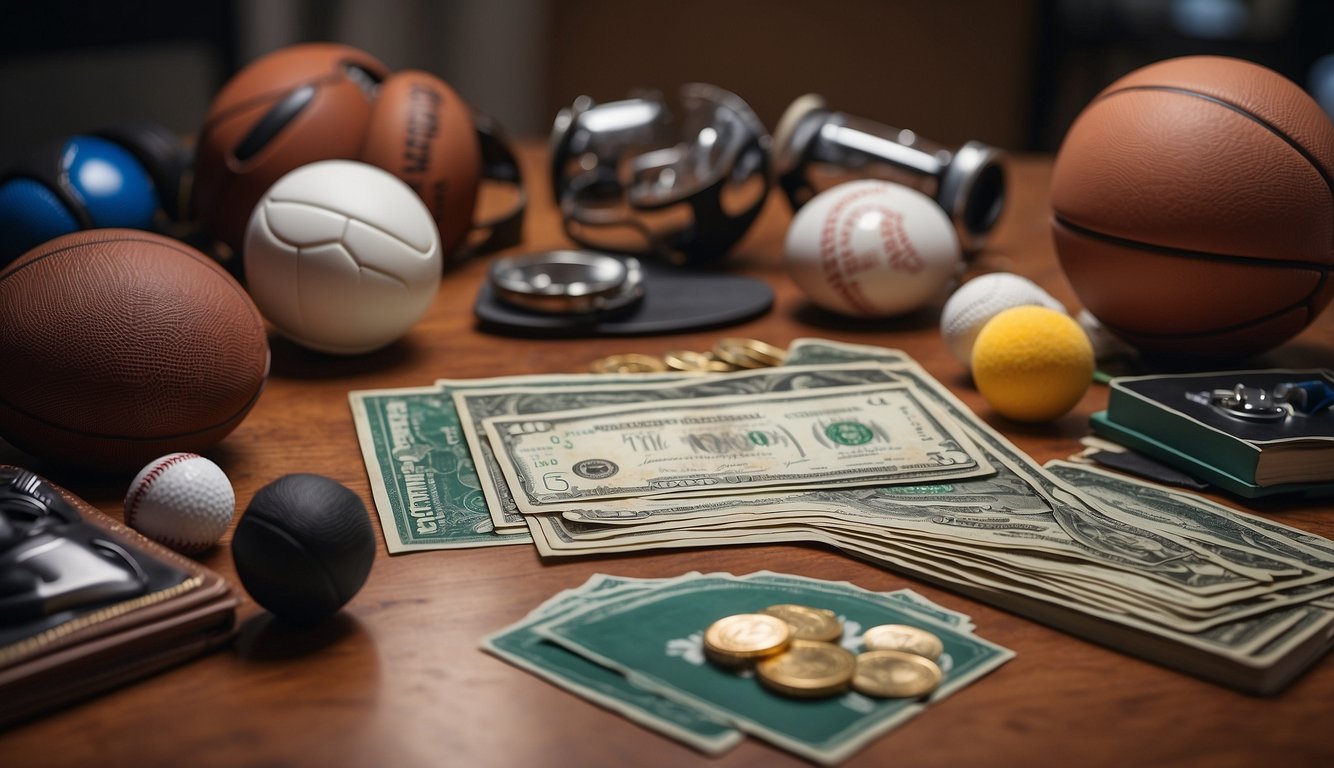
[342,257]
[982,298]
[872,248]
[182,500]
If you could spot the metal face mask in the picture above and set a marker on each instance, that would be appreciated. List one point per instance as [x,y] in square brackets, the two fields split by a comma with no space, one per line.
[629,177]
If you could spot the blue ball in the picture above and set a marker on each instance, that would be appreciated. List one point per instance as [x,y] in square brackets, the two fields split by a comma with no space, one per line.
[94,183]
[30,214]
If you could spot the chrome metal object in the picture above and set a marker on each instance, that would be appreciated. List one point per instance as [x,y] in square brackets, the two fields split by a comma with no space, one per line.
[816,148]
[630,177]
[567,282]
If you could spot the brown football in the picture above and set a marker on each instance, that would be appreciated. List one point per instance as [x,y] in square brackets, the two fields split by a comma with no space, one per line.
[1193,207]
[120,346]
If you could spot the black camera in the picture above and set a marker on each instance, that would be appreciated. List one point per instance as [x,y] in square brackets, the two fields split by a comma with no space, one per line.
[50,560]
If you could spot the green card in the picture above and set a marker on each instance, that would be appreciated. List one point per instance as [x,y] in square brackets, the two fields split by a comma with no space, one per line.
[654,639]
[520,646]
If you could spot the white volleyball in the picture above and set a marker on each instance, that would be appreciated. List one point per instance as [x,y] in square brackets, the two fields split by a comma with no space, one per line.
[982,298]
[342,257]
[872,248]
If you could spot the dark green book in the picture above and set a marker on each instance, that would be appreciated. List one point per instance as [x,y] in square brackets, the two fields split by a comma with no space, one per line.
[1180,419]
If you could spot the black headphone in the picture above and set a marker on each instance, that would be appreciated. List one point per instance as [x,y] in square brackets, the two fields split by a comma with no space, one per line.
[131,175]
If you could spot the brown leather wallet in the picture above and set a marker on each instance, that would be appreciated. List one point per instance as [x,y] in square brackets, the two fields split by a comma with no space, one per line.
[182,610]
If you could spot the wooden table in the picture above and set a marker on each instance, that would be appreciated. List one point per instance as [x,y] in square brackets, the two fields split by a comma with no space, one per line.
[397,679]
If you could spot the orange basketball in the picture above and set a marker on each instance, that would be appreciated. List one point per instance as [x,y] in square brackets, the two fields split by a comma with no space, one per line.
[293,106]
[1193,207]
[422,132]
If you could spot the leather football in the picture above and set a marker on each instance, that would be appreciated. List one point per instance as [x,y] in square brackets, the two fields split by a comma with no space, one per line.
[1193,207]
[120,346]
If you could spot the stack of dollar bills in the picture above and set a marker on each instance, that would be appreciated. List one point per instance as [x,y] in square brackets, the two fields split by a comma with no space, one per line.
[635,646]
[855,447]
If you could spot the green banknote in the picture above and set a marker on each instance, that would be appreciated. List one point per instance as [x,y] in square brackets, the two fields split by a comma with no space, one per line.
[477,405]
[520,646]
[422,478]
[654,638]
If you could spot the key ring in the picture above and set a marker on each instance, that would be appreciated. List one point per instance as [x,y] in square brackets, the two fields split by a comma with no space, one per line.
[1302,398]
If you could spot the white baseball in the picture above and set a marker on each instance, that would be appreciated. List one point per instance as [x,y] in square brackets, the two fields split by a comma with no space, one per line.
[872,248]
[982,298]
[182,500]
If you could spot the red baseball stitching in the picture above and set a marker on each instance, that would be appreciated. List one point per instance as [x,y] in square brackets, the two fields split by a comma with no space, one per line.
[830,250]
[132,505]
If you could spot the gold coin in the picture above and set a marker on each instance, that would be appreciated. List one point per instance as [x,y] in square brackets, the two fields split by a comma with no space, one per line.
[741,638]
[748,353]
[808,623]
[631,362]
[895,675]
[687,360]
[901,637]
[808,670]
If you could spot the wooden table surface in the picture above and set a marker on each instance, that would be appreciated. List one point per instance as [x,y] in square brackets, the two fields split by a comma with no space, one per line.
[397,678]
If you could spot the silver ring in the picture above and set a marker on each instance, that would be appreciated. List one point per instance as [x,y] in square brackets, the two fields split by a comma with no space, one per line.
[567,282]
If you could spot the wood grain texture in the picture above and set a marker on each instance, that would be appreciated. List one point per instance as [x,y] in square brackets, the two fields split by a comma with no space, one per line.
[397,678]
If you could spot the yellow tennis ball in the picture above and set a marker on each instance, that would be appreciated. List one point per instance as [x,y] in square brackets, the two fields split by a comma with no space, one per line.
[1032,363]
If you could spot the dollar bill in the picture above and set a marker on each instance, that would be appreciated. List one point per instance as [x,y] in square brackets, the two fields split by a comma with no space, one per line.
[881,434]
[422,478]
[1172,578]
[424,483]
[476,405]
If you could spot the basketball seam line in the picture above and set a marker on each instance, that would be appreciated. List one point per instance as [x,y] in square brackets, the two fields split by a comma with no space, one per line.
[1115,327]
[1275,130]
[212,123]
[1186,253]
[1306,301]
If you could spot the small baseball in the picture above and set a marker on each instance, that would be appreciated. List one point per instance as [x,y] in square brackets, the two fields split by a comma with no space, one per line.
[872,248]
[982,298]
[181,500]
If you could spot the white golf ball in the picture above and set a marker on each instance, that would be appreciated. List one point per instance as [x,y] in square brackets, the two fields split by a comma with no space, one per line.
[982,298]
[181,500]
[872,248]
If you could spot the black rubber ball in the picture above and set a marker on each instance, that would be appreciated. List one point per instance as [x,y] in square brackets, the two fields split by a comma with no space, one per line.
[303,547]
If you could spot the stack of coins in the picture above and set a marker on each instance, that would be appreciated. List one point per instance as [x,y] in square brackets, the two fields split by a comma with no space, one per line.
[794,651]
[899,662]
[729,354]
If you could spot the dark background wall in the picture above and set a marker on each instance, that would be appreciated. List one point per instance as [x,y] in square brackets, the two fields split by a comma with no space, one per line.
[1012,73]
